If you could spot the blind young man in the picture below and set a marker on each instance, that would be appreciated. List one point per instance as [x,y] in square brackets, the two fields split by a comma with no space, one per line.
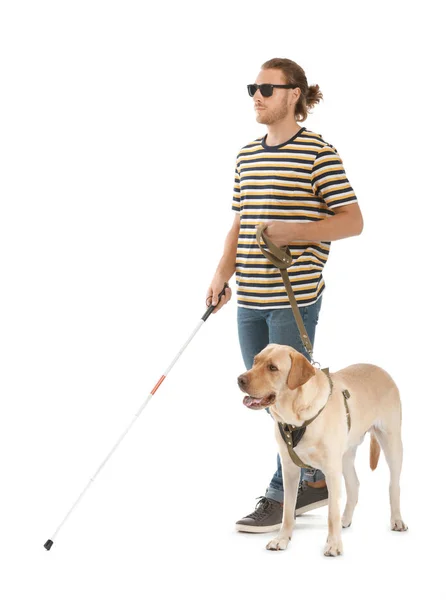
[295,181]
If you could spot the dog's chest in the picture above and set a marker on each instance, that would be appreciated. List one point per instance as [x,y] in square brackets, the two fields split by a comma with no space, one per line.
[308,453]
[302,446]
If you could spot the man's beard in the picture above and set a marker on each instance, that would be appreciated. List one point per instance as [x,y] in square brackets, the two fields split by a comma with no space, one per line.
[270,116]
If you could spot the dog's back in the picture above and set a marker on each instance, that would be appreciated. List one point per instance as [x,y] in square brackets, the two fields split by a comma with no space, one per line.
[369,384]
[374,398]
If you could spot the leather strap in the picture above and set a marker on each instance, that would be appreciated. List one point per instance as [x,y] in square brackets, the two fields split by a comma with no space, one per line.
[282,259]
[286,431]
[346,395]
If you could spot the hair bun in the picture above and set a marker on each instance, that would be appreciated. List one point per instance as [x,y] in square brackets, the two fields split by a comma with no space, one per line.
[314,95]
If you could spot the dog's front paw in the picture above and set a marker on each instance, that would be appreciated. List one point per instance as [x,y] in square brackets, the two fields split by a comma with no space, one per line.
[333,547]
[278,543]
[398,525]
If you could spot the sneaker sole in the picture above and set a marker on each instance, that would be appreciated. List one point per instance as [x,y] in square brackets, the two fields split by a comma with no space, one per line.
[268,528]
[307,507]
[257,528]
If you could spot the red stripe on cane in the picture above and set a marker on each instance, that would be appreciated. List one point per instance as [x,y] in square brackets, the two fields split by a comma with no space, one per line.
[162,378]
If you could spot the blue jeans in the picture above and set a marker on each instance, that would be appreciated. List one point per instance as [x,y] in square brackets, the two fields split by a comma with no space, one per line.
[257,329]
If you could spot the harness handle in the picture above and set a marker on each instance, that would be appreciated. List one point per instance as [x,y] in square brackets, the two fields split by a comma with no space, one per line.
[279,257]
[282,259]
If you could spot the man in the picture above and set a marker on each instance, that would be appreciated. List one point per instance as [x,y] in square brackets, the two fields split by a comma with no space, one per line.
[295,181]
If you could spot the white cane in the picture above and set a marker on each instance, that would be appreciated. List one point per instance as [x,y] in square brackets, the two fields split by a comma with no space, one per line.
[211,308]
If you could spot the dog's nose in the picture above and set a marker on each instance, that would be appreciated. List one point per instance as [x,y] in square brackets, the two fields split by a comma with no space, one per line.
[242,380]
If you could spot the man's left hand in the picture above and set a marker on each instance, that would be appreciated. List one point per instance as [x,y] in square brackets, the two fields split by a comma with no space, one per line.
[281,233]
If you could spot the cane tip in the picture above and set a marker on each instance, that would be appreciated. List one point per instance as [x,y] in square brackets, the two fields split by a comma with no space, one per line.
[48,545]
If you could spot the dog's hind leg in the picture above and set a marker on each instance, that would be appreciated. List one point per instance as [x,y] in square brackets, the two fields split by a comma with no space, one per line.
[390,441]
[351,485]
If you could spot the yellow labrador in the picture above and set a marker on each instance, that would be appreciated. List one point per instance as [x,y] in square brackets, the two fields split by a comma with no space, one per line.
[285,381]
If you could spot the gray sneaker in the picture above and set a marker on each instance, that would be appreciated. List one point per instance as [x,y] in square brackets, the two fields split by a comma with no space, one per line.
[268,513]
[309,498]
[267,516]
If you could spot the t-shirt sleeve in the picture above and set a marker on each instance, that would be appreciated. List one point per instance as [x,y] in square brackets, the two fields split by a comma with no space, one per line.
[328,179]
[236,196]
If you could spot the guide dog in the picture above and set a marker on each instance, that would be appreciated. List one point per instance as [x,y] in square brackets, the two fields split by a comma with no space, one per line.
[284,381]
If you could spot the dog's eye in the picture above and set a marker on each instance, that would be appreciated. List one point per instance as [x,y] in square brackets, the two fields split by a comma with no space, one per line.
[273,368]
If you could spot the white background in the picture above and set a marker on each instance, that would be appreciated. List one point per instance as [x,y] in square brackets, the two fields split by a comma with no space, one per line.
[120,126]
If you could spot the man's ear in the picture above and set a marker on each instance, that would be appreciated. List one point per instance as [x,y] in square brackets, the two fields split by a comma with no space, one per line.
[301,371]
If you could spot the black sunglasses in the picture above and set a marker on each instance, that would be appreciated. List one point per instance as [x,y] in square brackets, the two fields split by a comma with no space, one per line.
[266,89]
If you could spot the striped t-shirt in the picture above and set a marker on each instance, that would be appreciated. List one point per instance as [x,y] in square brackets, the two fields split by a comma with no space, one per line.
[300,180]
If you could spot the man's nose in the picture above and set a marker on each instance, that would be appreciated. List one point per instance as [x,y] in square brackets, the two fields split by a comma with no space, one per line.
[259,94]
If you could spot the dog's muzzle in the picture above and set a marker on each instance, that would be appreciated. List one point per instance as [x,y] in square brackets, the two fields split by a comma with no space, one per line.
[253,401]
[257,403]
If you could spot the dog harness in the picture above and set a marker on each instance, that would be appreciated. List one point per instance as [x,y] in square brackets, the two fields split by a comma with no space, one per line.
[282,259]
[292,434]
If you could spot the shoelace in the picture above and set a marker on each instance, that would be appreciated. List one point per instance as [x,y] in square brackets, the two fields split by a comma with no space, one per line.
[266,507]
[302,486]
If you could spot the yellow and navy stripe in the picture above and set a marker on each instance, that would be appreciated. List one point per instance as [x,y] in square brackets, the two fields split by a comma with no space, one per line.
[301,180]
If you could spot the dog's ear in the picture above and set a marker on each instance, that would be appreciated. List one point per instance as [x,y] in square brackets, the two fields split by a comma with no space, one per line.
[301,371]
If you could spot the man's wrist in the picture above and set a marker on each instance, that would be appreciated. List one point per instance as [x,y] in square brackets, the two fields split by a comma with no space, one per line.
[225,272]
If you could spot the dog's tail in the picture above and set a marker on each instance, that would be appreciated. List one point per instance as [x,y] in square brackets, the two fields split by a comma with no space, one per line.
[375,449]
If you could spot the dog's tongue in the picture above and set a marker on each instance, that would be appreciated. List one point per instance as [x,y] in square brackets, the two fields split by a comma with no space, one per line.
[251,402]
